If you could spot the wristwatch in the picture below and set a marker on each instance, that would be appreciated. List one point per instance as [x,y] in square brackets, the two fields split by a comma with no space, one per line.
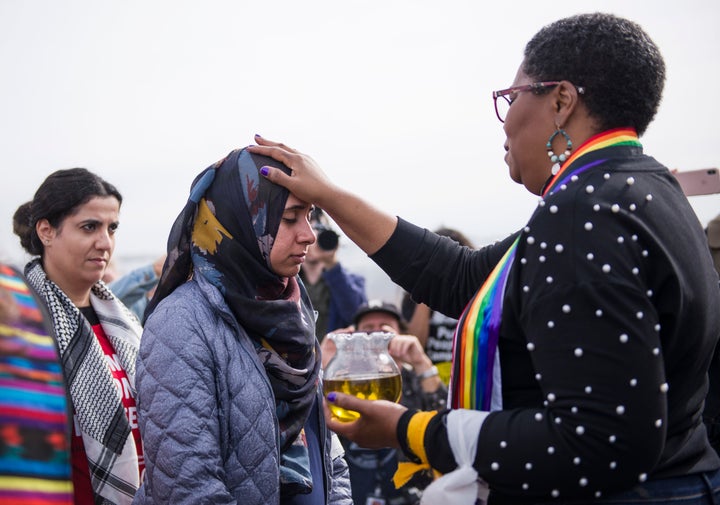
[430,372]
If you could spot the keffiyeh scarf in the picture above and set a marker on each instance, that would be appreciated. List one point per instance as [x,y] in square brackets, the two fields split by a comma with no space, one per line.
[108,441]
[225,233]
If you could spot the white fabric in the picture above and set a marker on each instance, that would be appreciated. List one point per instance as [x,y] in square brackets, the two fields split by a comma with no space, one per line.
[336,448]
[461,486]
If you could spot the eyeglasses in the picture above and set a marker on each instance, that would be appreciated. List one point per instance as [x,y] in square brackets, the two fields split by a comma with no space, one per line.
[502,106]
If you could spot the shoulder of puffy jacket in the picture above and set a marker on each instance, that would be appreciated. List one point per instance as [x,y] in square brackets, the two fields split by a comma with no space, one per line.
[196,291]
[191,305]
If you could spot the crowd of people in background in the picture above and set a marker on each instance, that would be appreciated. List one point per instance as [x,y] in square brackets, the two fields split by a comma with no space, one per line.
[574,361]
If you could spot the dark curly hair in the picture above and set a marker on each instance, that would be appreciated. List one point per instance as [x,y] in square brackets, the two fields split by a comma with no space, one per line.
[620,67]
[58,197]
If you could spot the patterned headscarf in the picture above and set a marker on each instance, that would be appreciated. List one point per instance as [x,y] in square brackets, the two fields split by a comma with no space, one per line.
[225,233]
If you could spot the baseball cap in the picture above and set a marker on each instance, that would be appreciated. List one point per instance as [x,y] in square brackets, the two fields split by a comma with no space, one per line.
[376,306]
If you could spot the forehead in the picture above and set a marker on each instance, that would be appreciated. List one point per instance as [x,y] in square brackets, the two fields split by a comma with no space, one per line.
[98,207]
[378,318]
[294,203]
[521,77]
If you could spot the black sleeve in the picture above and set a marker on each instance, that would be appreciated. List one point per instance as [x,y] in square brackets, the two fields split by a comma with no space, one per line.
[436,270]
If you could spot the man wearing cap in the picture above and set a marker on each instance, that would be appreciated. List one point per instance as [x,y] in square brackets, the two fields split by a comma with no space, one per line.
[371,470]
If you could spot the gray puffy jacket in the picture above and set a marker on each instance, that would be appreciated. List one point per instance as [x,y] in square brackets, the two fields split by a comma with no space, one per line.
[206,410]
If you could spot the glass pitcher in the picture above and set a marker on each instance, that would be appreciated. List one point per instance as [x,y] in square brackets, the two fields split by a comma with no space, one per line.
[362,366]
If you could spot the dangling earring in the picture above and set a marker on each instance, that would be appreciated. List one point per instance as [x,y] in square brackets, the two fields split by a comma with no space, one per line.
[558,159]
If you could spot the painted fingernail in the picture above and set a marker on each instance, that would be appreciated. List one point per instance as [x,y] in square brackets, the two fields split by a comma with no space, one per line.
[331,397]
[264,171]
[258,135]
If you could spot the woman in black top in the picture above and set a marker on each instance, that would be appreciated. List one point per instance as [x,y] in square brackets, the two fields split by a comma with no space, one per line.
[581,355]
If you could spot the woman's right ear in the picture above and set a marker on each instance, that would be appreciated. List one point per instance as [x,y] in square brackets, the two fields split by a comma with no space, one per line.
[566,100]
[45,231]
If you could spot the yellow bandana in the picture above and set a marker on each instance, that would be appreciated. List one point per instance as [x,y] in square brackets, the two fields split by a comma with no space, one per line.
[415,438]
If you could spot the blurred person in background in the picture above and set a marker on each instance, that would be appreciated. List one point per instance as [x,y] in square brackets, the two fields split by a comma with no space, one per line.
[713,237]
[136,287]
[371,470]
[335,292]
[434,329]
[711,413]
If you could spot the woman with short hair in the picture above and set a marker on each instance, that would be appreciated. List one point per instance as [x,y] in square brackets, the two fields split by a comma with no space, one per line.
[583,344]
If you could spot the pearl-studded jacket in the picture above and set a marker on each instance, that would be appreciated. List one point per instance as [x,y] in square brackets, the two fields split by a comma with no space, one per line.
[608,326]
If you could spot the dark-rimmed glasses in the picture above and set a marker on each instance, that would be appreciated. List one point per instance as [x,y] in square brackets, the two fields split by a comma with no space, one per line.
[502,106]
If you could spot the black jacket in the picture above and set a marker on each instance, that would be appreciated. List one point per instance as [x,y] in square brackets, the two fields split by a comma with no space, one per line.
[614,287]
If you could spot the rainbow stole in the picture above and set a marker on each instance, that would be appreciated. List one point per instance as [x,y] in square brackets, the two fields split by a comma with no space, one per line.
[478,329]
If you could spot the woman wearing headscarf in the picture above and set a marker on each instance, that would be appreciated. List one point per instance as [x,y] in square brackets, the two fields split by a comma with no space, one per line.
[582,349]
[70,227]
[228,369]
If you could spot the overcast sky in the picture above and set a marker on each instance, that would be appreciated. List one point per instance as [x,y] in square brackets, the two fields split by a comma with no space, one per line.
[392,98]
